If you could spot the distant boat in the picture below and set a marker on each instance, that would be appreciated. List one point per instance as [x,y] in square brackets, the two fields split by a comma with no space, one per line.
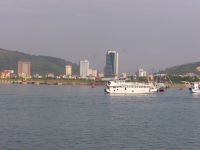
[195,88]
[122,87]
[160,86]
[161,89]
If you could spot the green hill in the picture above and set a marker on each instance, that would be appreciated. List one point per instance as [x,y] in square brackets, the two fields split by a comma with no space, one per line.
[186,68]
[39,64]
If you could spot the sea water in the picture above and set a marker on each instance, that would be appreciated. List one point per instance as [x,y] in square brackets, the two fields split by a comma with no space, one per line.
[52,117]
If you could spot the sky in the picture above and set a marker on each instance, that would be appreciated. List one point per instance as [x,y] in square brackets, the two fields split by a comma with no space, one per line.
[152,34]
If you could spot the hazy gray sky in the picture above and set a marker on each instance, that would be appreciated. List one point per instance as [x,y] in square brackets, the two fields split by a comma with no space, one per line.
[149,33]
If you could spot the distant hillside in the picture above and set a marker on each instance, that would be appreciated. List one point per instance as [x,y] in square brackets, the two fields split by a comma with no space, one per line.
[39,64]
[186,68]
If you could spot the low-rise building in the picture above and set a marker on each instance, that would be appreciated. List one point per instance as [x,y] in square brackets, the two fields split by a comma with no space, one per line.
[92,72]
[124,75]
[141,72]
[37,76]
[50,75]
[100,74]
[6,74]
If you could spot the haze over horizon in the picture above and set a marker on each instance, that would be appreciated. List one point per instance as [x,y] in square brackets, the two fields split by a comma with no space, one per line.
[146,33]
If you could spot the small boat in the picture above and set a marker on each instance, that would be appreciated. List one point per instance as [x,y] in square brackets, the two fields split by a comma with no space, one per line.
[195,88]
[123,87]
[161,89]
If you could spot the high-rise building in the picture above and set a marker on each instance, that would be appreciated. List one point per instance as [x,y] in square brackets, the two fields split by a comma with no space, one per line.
[68,69]
[24,69]
[84,68]
[111,67]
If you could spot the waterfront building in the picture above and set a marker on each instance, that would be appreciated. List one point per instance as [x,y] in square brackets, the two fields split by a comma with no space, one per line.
[93,72]
[24,69]
[37,76]
[150,77]
[50,75]
[124,75]
[68,70]
[6,74]
[111,67]
[84,68]
[141,72]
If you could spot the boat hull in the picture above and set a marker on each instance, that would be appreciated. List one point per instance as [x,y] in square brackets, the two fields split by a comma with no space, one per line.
[194,90]
[130,91]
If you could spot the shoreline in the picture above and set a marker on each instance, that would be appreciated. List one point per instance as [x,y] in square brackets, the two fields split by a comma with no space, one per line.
[53,82]
[73,82]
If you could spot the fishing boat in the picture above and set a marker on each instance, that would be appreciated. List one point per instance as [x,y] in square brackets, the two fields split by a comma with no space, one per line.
[123,87]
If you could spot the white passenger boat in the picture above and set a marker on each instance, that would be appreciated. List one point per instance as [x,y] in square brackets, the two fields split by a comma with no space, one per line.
[195,88]
[122,87]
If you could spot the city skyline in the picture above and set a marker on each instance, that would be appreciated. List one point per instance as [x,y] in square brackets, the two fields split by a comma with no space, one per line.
[152,34]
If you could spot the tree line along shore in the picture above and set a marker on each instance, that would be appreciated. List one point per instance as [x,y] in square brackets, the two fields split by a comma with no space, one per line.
[53,82]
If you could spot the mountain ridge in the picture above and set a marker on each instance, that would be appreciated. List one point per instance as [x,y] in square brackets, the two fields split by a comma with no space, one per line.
[39,64]
[193,67]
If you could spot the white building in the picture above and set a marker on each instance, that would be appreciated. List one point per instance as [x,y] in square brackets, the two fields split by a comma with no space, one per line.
[124,75]
[93,72]
[84,68]
[68,69]
[141,72]
[50,75]
[37,76]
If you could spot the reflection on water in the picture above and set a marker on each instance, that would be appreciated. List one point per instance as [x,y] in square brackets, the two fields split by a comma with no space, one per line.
[196,95]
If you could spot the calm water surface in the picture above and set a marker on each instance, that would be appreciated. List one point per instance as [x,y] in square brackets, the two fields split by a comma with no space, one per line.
[44,117]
